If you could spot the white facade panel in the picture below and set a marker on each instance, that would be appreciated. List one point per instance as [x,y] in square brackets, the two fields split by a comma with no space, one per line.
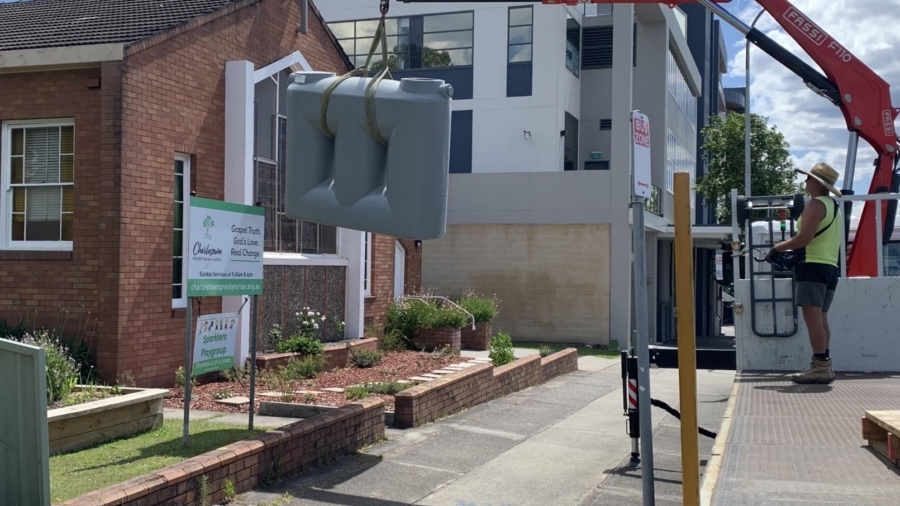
[501,141]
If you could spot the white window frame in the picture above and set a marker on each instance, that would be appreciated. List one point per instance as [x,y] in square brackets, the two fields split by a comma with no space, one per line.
[367,264]
[185,222]
[6,241]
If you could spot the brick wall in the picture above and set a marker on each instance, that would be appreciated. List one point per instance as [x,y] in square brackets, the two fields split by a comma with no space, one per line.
[438,338]
[413,274]
[478,339]
[298,447]
[383,276]
[174,102]
[44,285]
[552,280]
[382,280]
[455,392]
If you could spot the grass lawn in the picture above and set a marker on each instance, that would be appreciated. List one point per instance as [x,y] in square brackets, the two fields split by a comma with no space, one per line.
[583,351]
[75,474]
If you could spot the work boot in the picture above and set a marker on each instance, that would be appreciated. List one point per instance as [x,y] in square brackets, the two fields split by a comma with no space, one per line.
[820,371]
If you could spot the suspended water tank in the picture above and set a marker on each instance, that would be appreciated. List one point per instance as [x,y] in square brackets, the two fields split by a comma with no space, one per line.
[383,170]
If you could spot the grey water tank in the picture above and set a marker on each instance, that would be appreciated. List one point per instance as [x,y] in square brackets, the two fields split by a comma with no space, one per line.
[353,181]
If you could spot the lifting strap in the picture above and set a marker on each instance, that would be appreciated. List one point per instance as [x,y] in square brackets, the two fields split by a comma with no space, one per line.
[371,87]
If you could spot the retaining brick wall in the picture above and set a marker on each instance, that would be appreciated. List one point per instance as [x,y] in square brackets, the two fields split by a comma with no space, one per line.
[464,389]
[438,338]
[298,447]
[478,339]
[336,355]
[558,364]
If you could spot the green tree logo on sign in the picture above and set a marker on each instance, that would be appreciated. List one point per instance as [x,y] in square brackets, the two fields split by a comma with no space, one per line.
[208,223]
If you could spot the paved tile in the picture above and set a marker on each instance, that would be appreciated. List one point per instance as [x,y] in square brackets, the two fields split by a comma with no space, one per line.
[234,401]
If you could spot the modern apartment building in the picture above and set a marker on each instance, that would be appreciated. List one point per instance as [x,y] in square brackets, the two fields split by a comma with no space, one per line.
[540,184]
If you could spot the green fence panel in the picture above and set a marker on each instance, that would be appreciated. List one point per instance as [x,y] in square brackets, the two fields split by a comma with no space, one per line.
[24,443]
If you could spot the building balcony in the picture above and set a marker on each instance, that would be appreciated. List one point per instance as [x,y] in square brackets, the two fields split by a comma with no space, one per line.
[735,99]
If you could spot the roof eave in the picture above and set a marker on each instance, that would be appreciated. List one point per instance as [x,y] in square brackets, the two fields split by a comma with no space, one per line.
[31,60]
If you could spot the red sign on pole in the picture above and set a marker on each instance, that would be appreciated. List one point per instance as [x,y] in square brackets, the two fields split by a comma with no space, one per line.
[640,127]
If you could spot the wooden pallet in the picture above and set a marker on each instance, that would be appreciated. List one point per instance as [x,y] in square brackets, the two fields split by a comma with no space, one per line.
[882,431]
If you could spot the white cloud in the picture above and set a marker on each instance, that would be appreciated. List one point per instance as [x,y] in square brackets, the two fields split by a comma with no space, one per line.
[816,129]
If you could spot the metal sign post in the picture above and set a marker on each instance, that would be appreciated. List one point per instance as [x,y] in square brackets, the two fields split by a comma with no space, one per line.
[226,259]
[640,159]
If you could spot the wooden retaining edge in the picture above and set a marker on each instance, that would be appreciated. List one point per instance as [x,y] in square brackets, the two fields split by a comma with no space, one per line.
[137,395]
[711,476]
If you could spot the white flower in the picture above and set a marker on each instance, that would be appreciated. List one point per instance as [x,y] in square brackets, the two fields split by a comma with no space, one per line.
[316,326]
[318,313]
[323,318]
[298,314]
[309,313]
[305,322]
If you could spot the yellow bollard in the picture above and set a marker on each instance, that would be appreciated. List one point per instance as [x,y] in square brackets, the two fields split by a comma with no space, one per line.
[687,350]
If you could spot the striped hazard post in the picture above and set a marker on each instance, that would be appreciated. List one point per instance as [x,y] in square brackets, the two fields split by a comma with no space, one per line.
[634,419]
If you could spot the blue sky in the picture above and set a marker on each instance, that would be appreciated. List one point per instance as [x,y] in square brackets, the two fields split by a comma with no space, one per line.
[816,129]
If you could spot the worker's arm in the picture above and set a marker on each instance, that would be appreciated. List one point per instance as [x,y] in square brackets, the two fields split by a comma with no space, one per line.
[812,215]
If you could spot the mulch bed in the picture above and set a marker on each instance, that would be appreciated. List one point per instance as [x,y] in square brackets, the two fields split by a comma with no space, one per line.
[397,365]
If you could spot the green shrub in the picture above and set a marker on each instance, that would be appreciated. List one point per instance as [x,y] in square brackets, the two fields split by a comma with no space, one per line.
[302,344]
[356,393]
[61,368]
[7,331]
[409,317]
[393,340]
[447,318]
[306,368]
[545,350]
[501,349]
[179,378]
[483,310]
[365,358]
[385,387]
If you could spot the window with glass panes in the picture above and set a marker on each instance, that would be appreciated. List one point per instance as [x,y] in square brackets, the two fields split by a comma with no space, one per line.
[520,34]
[282,234]
[430,41]
[40,163]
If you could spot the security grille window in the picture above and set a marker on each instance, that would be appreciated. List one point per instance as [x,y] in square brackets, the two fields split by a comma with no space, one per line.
[520,34]
[678,159]
[39,177]
[679,89]
[605,124]
[282,234]
[597,47]
[181,209]
[438,40]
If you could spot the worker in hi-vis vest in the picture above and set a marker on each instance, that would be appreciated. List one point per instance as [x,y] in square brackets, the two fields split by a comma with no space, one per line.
[818,242]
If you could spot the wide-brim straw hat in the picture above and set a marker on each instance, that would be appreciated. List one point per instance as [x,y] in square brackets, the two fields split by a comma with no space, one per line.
[825,174]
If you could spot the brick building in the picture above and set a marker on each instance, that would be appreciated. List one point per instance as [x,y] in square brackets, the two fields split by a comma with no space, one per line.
[112,114]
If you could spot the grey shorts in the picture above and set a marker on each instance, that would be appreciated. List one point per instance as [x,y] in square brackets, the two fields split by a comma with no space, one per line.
[814,285]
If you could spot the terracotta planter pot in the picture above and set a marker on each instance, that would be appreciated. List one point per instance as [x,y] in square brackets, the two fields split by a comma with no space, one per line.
[478,339]
[438,338]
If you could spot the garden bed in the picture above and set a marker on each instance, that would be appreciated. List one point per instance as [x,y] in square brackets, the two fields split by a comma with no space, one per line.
[336,354]
[396,365]
[131,411]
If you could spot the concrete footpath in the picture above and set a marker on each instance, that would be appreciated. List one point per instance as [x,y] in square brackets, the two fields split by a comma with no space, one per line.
[560,443]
